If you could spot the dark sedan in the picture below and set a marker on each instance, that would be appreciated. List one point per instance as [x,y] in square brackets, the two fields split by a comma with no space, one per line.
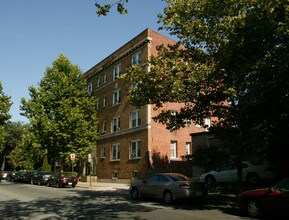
[63,179]
[273,200]
[169,187]
[41,177]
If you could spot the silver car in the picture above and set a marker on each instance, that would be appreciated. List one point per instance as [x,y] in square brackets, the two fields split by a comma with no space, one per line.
[169,187]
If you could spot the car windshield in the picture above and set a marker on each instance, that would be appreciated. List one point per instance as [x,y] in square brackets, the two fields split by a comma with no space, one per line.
[282,186]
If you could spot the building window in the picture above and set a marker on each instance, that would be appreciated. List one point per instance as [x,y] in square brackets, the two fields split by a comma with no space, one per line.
[135,149]
[116,97]
[173,149]
[104,101]
[188,123]
[103,129]
[97,104]
[135,120]
[116,72]
[188,148]
[115,124]
[114,175]
[115,152]
[102,152]
[104,78]
[134,174]
[90,87]
[98,81]
[135,60]
[207,123]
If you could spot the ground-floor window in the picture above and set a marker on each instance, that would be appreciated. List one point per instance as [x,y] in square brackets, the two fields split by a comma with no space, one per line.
[134,174]
[114,174]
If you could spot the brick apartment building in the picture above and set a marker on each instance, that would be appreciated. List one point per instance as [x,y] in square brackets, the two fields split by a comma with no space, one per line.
[130,144]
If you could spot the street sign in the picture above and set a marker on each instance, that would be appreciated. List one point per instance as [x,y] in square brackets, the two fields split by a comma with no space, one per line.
[72,156]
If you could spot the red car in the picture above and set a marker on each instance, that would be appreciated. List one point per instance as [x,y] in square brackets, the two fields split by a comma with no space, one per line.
[63,179]
[273,200]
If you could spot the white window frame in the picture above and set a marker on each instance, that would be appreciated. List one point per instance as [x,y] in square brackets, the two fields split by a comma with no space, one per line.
[135,119]
[97,104]
[134,174]
[103,128]
[135,59]
[104,102]
[135,149]
[98,81]
[90,86]
[115,152]
[116,97]
[173,149]
[102,152]
[114,174]
[188,147]
[116,72]
[115,124]
[105,78]
[207,123]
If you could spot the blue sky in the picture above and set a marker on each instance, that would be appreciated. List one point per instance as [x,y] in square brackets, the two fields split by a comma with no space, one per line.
[34,33]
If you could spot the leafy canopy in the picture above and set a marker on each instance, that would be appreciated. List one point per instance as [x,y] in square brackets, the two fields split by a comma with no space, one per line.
[61,112]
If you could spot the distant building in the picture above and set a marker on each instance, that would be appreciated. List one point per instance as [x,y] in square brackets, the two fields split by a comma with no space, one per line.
[130,144]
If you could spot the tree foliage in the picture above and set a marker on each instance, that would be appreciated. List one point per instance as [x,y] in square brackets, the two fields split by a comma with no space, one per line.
[104,8]
[25,153]
[61,112]
[5,104]
[12,136]
[233,66]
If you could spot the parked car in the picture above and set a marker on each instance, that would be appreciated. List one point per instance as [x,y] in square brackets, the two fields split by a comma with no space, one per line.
[5,174]
[11,176]
[41,177]
[273,200]
[28,175]
[63,179]
[251,173]
[169,187]
[19,176]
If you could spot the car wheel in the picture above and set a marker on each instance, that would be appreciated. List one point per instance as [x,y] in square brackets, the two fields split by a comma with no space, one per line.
[253,178]
[73,186]
[134,193]
[168,197]
[254,208]
[210,180]
[58,185]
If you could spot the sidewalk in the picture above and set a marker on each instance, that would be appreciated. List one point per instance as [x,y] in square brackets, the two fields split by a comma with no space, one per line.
[102,185]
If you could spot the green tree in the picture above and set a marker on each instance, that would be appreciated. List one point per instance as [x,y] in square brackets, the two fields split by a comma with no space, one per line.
[45,165]
[231,63]
[27,154]
[5,105]
[12,136]
[234,68]
[61,112]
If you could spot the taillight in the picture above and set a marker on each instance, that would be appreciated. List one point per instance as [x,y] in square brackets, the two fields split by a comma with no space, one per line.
[62,179]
